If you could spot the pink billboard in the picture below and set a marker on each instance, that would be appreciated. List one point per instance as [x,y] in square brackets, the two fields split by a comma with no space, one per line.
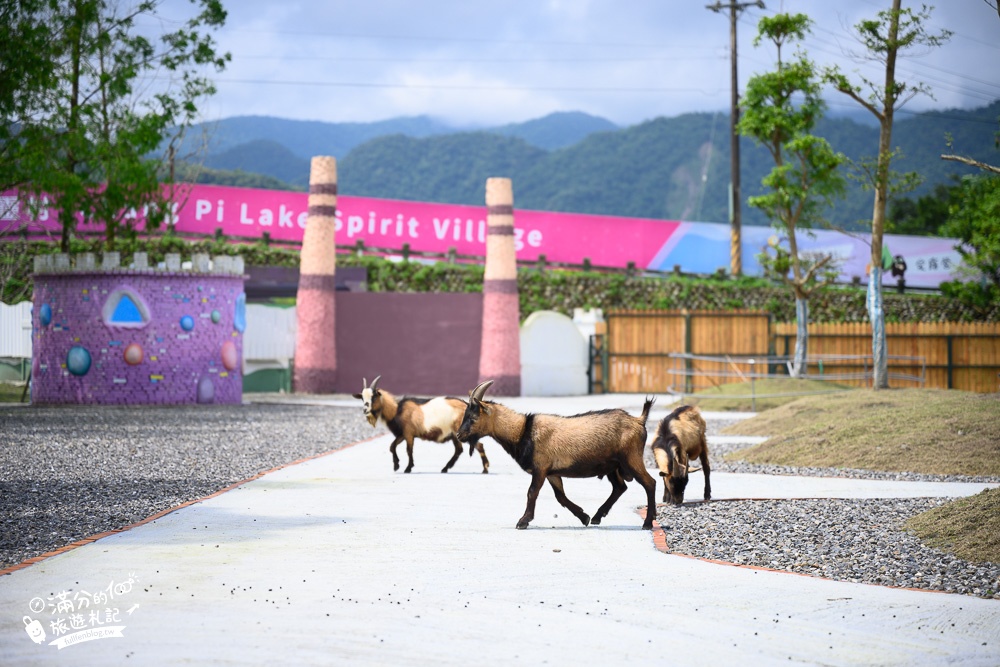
[695,247]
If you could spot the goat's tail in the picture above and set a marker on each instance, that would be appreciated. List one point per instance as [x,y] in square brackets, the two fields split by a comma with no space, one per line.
[646,407]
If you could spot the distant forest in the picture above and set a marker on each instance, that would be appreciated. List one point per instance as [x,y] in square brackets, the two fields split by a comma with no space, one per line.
[666,168]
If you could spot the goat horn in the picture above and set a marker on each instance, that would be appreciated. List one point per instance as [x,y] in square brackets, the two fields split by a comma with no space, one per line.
[690,470]
[477,393]
[364,384]
[375,382]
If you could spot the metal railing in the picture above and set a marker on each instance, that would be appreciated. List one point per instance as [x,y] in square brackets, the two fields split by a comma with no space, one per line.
[766,367]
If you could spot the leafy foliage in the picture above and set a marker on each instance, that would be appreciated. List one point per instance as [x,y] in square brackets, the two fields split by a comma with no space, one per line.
[781,108]
[922,216]
[562,291]
[93,113]
[974,218]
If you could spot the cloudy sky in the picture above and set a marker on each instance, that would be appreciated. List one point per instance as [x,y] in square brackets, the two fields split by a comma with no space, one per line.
[475,63]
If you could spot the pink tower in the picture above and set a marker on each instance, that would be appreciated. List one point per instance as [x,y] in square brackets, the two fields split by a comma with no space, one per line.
[315,346]
[500,353]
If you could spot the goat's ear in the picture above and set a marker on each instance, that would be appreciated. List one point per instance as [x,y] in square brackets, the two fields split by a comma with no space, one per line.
[356,395]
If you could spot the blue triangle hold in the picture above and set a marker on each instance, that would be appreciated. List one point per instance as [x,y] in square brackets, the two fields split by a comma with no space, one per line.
[126,311]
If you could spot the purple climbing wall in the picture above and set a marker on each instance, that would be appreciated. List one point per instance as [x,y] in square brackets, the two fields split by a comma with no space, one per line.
[138,336]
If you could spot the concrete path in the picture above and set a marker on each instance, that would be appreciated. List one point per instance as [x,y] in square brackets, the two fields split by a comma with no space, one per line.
[339,560]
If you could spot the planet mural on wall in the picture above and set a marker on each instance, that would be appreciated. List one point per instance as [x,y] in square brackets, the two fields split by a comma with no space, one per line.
[133,354]
[78,360]
[230,357]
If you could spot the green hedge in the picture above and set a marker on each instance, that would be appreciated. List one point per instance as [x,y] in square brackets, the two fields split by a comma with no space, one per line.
[557,290]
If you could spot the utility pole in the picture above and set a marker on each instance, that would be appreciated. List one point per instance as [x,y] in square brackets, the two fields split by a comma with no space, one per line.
[735,216]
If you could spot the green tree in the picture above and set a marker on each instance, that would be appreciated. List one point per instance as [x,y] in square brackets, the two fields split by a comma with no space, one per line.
[780,110]
[82,136]
[27,68]
[883,38]
[923,216]
[974,219]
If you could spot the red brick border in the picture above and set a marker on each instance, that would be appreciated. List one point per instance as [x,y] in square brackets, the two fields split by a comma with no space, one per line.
[93,538]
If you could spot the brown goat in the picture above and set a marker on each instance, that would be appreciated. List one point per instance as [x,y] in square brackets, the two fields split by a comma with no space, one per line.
[594,444]
[680,437]
[435,419]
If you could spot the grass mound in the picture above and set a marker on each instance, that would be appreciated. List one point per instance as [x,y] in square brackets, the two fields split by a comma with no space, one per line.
[969,527]
[903,430]
[770,393]
[932,431]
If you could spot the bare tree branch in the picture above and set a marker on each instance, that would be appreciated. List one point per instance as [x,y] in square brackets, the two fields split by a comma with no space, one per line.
[972,163]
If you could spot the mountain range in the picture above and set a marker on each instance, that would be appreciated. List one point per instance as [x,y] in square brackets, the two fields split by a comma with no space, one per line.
[669,168]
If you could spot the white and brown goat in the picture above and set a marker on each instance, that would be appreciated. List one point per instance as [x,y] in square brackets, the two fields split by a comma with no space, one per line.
[407,418]
[594,444]
[680,438]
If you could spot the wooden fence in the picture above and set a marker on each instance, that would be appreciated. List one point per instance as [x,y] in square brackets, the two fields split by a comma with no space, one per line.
[632,355]
[957,355]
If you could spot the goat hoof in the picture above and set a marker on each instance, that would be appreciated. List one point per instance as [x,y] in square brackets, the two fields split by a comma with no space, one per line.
[648,525]
[586,520]
[408,470]
[596,521]
[486,471]
[521,525]
[444,470]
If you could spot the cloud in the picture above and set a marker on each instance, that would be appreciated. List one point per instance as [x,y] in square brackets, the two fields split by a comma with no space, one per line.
[487,63]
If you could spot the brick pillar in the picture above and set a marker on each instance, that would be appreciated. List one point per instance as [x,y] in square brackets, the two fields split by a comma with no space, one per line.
[500,353]
[315,345]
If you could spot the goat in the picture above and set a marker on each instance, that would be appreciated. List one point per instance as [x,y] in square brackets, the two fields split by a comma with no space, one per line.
[550,447]
[435,419]
[680,437]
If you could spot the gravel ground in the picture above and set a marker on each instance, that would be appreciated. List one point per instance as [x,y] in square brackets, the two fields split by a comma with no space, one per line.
[70,472]
[67,473]
[859,540]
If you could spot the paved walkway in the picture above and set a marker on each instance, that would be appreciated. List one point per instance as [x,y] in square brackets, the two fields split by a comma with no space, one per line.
[339,560]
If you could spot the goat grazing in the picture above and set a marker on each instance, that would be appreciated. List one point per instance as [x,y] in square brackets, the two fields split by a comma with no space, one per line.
[435,419]
[680,437]
[594,444]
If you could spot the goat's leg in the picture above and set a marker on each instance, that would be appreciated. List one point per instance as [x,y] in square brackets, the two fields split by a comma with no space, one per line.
[392,449]
[409,454]
[706,470]
[482,454]
[458,452]
[537,479]
[555,481]
[635,465]
[618,487]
